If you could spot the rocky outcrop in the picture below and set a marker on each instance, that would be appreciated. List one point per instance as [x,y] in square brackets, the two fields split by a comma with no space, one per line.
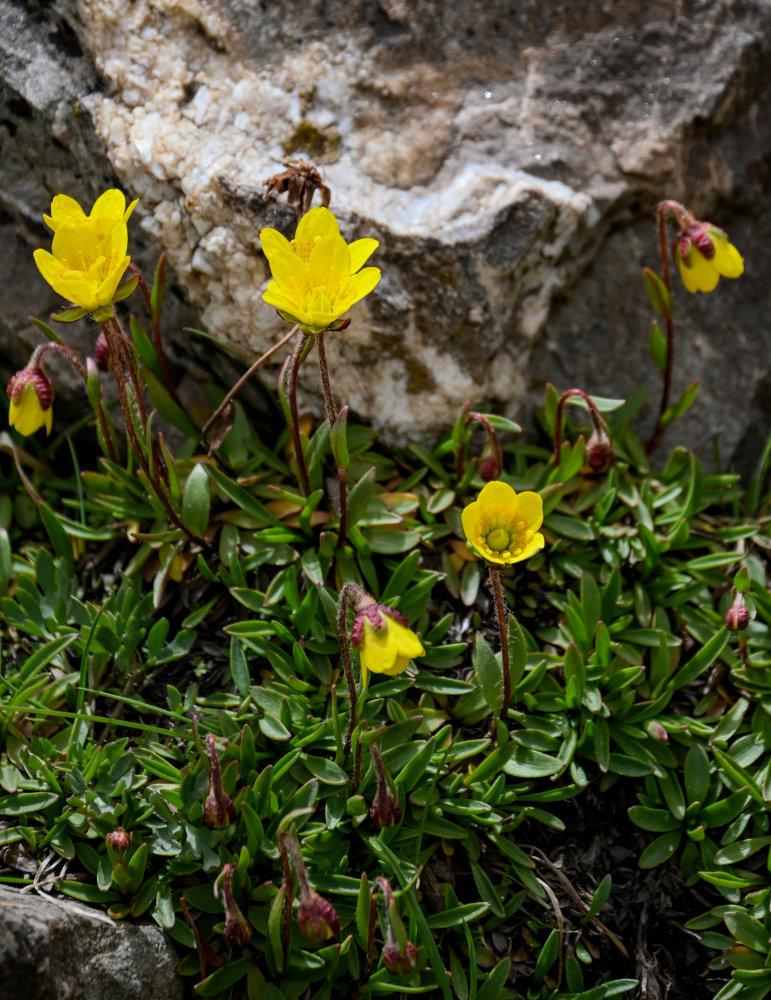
[55,949]
[507,156]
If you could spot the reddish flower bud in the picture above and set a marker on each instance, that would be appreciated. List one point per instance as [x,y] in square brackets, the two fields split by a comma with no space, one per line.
[102,353]
[238,930]
[488,468]
[398,962]
[119,840]
[737,617]
[599,451]
[317,918]
[219,810]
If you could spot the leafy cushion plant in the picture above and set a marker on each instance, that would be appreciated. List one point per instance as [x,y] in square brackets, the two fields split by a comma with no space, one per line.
[625,681]
[527,808]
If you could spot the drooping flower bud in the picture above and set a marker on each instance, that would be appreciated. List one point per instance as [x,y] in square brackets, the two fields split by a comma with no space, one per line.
[599,451]
[316,917]
[397,961]
[383,637]
[704,254]
[219,810]
[31,393]
[385,811]
[238,930]
[737,617]
[399,954]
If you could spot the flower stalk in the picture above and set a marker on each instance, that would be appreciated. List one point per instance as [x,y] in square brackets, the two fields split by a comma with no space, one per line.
[241,383]
[490,463]
[599,448]
[329,402]
[500,612]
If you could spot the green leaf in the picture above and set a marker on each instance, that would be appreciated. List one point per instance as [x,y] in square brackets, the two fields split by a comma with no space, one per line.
[196,502]
[658,293]
[218,982]
[517,651]
[489,674]
[457,915]
[660,850]
[323,769]
[486,889]
[338,440]
[493,986]
[524,763]
[241,497]
[696,774]
[166,406]
[575,670]
[701,661]
[21,803]
[60,540]
[740,850]
[655,820]
[548,955]
[570,527]
[69,315]
[601,894]
[239,668]
[680,406]
[125,288]
[747,930]
[363,904]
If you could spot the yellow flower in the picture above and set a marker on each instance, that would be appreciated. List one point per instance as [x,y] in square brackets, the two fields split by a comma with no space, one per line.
[31,393]
[386,644]
[704,254]
[317,274]
[88,253]
[502,525]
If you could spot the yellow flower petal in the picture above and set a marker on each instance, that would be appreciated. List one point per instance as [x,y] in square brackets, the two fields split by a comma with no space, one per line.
[727,260]
[329,263]
[26,415]
[469,518]
[497,493]
[272,241]
[316,224]
[362,284]
[530,506]
[388,649]
[64,209]
[111,203]
[697,272]
[361,251]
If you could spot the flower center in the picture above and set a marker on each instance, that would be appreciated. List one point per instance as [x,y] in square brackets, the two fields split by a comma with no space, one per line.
[503,535]
[498,539]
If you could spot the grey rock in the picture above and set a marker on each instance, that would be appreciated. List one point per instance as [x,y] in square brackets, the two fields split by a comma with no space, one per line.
[508,156]
[59,950]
